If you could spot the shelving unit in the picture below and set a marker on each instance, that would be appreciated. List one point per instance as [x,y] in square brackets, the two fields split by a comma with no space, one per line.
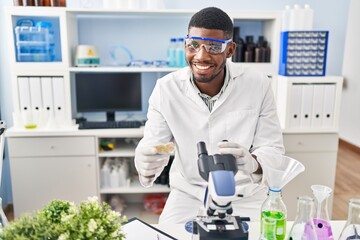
[146,34]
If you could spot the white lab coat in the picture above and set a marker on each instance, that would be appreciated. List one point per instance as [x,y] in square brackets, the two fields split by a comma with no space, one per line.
[245,114]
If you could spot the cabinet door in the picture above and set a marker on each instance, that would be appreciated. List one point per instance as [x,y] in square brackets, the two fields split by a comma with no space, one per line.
[38,180]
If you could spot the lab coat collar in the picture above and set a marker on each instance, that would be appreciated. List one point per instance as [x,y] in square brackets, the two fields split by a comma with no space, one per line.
[234,70]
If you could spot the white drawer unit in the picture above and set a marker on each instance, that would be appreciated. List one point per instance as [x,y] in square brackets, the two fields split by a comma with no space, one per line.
[47,168]
[318,153]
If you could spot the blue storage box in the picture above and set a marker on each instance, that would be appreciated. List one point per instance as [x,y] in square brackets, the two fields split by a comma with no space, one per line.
[34,41]
[303,53]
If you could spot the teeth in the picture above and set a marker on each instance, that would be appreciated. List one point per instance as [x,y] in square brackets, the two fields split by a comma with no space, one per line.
[202,67]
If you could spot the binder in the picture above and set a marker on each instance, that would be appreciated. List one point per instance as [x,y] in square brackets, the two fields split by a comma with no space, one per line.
[59,99]
[24,94]
[36,99]
[295,106]
[318,102]
[329,105]
[306,105]
[47,97]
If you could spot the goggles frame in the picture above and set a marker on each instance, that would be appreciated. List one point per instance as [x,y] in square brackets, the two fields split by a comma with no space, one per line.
[210,48]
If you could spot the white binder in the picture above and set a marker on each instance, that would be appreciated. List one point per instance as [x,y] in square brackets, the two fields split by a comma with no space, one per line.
[59,99]
[295,106]
[35,93]
[329,105]
[47,97]
[318,102]
[24,94]
[306,105]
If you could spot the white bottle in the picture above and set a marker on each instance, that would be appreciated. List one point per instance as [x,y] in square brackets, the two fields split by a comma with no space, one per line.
[114,177]
[296,18]
[308,17]
[105,174]
[285,21]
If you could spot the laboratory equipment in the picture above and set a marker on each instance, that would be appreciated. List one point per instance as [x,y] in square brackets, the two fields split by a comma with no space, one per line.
[268,226]
[218,223]
[303,227]
[86,56]
[351,229]
[3,219]
[277,176]
[321,217]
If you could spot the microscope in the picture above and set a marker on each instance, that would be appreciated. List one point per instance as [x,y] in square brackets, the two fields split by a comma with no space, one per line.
[219,171]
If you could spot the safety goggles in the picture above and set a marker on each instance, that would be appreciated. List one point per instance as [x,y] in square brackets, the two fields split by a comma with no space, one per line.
[214,46]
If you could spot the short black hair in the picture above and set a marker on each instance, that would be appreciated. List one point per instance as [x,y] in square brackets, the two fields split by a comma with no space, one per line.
[212,18]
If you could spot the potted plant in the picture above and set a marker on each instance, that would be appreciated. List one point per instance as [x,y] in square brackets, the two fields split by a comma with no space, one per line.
[63,220]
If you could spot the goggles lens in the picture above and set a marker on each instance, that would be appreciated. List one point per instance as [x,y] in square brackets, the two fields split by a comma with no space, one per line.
[211,45]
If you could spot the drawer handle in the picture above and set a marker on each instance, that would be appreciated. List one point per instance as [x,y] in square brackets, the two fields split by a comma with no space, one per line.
[52,147]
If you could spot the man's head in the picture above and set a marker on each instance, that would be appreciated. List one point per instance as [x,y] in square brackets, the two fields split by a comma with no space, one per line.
[209,44]
[212,18]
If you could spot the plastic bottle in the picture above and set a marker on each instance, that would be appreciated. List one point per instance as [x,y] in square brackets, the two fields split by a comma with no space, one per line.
[180,53]
[239,51]
[296,18]
[351,229]
[303,227]
[171,53]
[274,208]
[285,20]
[308,18]
[250,49]
[260,50]
[105,174]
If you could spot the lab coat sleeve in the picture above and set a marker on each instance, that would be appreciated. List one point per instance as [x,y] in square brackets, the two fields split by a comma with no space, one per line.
[268,141]
[156,129]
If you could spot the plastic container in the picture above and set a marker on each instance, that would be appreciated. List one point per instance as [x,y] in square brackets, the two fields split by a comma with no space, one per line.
[34,41]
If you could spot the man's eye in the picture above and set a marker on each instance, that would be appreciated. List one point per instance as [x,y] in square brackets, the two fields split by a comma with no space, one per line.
[215,47]
[195,44]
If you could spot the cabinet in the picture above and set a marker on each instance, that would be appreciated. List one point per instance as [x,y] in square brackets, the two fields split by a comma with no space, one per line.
[318,153]
[44,168]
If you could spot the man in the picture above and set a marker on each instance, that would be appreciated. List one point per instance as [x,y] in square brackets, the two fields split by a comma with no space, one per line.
[211,100]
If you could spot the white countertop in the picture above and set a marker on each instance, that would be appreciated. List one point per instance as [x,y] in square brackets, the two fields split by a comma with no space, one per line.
[178,230]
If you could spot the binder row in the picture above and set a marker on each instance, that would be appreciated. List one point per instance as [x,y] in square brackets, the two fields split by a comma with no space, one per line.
[41,101]
[312,105]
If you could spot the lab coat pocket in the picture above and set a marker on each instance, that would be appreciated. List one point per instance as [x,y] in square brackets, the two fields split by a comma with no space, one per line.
[241,125]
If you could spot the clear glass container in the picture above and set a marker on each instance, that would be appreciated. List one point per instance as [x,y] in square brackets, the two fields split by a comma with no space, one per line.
[268,228]
[351,229]
[274,207]
[303,227]
[321,214]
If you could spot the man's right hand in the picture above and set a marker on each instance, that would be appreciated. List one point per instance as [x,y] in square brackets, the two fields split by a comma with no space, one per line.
[149,164]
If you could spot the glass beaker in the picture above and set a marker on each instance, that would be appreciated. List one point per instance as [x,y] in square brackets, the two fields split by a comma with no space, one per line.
[351,229]
[274,208]
[321,216]
[303,227]
[268,229]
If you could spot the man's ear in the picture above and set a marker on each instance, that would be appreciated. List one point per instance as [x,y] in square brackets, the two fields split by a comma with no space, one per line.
[231,49]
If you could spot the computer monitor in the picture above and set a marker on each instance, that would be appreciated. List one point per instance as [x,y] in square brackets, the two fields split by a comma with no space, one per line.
[108,92]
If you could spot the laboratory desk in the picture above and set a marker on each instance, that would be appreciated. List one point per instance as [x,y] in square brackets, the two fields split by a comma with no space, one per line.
[178,231]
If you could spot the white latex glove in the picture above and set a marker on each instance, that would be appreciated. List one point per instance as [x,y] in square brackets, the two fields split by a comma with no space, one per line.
[149,164]
[244,159]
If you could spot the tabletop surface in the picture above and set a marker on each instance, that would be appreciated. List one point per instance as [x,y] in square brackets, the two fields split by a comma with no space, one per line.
[178,230]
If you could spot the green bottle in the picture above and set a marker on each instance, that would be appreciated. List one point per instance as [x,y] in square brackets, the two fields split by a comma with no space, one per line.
[274,208]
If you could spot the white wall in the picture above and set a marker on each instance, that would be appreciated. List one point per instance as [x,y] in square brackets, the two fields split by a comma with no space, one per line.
[350,110]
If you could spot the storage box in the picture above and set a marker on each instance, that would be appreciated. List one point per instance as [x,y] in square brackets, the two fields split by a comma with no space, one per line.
[34,43]
[303,53]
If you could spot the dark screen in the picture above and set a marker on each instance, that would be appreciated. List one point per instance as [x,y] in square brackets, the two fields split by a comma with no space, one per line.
[105,92]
